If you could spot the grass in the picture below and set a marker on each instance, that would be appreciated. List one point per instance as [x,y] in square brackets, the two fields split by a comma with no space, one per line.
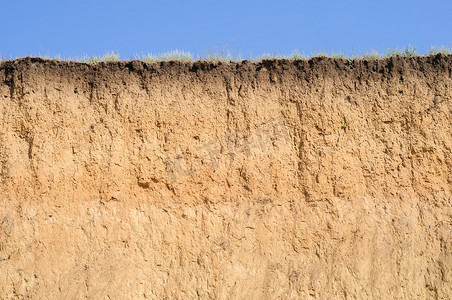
[95,59]
[408,51]
[226,56]
[371,55]
[4,58]
[295,55]
[169,55]
[436,50]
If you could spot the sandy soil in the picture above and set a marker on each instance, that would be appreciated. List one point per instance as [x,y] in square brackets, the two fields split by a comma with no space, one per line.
[322,179]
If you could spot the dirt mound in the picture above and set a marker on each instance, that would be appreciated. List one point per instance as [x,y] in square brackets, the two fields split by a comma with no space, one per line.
[323,178]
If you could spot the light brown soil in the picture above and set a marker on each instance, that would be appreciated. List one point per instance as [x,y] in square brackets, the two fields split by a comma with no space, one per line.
[323,179]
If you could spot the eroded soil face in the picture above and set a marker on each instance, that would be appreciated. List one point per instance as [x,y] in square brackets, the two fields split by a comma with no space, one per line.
[322,179]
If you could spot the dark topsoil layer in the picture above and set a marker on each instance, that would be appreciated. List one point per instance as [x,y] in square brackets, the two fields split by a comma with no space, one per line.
[308,71]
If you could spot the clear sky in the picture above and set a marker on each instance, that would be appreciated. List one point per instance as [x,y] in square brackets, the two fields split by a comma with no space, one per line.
[77,28]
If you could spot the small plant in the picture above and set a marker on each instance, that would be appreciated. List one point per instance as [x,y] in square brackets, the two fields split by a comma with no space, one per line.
[166,56]
[350,63]
[224,56]
[371,55]
[410,51]
[221,53]
[177,55]
[90,60]
[442,50]
[337,54]
[296,55]
[106,57]
[344,126]
[320,53]
[110,57]
[45,56]
[393,52]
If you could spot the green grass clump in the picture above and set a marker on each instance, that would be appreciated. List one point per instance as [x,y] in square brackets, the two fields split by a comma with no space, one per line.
[371,55]
[95,59]
[169,55]
[266,56]
[338,55]
[295,55]
[435,50]
[408,51]
[224,56]
[320,54]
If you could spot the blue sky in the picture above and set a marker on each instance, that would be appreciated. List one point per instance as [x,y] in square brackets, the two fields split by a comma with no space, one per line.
[77,28]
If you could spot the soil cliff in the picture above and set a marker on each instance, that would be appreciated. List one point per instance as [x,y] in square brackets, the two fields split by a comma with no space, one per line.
[322,178]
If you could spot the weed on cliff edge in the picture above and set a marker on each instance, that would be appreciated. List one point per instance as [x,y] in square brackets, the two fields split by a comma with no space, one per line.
[166,56]
[112,56]
[436,50]
[408,51]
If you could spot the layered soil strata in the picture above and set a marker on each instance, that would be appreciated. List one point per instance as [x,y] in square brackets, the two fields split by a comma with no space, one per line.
[322,178]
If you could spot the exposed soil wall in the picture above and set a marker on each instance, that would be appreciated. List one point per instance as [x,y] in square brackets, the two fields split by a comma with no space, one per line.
[327,179]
